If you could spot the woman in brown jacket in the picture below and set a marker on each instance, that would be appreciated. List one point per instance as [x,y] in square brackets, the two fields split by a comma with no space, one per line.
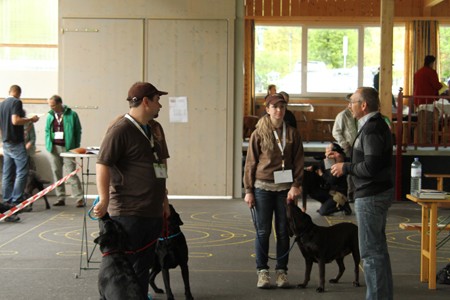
[272,176]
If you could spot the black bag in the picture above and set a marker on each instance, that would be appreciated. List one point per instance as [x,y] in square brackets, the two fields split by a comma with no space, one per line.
[443,275]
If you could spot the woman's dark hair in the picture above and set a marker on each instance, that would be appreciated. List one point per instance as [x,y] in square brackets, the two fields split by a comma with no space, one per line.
[429,59]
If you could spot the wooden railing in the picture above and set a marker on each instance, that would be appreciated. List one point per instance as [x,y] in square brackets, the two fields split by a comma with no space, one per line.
[427,125]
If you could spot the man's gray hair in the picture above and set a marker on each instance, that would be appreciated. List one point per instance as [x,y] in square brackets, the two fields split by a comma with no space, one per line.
[370,96]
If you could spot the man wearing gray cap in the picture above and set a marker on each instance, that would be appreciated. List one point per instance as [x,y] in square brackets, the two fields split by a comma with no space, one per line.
[131,176]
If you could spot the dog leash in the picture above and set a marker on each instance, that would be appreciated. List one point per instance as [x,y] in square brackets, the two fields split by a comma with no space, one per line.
[130,251]
[169,237]
[253,213]
[92,207]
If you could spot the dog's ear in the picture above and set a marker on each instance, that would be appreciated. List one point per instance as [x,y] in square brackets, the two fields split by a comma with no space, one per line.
[174,216]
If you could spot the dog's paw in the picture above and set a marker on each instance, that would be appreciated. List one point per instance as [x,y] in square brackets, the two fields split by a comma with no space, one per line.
[301,285]
[333,280]
[159,291]
[320,290]
[356,284]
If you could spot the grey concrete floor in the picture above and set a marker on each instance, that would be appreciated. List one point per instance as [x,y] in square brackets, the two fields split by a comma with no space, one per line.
[40,256]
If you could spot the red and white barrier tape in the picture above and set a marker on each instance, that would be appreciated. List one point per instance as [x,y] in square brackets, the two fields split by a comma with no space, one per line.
[33,198]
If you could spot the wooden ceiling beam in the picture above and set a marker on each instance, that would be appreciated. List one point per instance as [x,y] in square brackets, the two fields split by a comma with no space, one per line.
[431,3]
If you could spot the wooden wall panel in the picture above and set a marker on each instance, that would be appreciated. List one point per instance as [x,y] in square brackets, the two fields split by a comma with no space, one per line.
[267,8]
[258,8]
[198,148]
[342,8]
[285,8]
[249,69]
[441,10]
[276,8]
[249,4]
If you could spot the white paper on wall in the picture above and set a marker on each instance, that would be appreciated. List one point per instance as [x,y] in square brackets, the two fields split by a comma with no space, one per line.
[178,112]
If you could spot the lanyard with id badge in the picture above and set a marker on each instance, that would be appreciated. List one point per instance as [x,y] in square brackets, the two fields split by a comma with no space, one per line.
[160,168]
[283,176]
[59,135]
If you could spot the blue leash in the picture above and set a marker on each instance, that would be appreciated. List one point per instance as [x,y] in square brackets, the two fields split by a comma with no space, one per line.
[169,237]
[92,207]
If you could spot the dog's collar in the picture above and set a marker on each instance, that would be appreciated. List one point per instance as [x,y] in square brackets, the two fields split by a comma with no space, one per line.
[169,237]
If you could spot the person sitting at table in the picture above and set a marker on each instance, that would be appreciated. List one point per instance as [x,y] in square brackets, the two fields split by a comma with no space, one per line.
[289,116]
[329,190]
[271,89]
[62,134]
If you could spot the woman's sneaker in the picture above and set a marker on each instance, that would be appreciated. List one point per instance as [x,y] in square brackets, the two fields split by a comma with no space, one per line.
[263,279]
[282,280]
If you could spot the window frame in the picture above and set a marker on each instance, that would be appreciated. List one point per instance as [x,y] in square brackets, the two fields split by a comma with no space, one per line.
[304,28]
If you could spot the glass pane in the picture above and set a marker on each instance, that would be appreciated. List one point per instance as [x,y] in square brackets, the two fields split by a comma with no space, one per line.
[277,57]
[372,42]
[29,21]
[34,69]
[444,53]
[29,54]
[332,60]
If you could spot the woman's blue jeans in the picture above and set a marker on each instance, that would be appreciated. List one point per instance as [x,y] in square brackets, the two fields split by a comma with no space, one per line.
[267,204]
[15,172]
[371,214]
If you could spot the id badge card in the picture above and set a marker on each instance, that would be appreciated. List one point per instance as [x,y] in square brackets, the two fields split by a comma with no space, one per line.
[283,176]
[59,135]
[160,170]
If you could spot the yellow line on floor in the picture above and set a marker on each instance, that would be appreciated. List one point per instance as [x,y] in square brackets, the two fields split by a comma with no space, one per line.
[29,230]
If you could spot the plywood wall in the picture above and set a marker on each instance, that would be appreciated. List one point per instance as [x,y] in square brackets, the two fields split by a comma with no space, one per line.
[107,45]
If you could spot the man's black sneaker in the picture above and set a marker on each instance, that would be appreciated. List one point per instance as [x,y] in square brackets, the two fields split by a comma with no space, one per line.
[12,219]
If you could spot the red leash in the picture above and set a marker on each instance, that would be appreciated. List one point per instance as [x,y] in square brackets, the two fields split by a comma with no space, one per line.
[130,251]
[164,234]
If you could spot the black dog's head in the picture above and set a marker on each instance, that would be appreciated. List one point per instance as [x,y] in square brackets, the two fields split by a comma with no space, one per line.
[298,221]
[111,236]
[174,222]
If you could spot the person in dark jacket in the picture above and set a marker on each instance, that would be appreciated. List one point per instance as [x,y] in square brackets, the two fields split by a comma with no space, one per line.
[371,168]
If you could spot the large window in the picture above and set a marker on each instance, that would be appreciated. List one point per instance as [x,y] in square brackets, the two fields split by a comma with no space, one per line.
[372,41]
[332,60]
[278,52]
[444,52]
[29,47]
[322,61]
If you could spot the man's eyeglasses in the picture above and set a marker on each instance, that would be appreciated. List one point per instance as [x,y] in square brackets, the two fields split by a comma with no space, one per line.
[351,102]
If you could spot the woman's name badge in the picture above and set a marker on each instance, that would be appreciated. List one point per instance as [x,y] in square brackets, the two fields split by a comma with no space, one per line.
[59,135]
[282,176]
[160,170]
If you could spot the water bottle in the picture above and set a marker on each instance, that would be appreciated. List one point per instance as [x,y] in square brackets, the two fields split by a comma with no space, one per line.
[416,176]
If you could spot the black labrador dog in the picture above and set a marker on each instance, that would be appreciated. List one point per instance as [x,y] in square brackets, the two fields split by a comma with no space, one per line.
[35,182]
[117,279]
[323,245]
[171,251]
